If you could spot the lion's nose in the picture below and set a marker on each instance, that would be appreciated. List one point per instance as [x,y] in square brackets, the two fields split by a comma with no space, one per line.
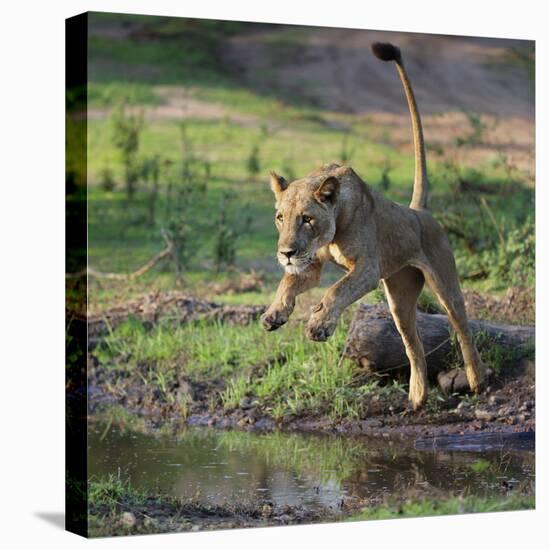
[288,253]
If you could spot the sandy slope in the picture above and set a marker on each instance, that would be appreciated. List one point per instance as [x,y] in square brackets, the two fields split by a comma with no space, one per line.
[334,68]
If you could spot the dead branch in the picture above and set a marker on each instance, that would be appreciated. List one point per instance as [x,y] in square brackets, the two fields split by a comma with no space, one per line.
[375,344]
[92,272]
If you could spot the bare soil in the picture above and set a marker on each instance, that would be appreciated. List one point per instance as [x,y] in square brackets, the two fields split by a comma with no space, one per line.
[169,515]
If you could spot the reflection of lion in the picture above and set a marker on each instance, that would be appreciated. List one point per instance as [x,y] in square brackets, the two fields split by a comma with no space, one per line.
[332,215]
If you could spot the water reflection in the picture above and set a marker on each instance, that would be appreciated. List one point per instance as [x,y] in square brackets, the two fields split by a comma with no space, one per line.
[293,469]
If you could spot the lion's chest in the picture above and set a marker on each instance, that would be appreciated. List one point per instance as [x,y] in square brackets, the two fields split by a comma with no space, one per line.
[338,257]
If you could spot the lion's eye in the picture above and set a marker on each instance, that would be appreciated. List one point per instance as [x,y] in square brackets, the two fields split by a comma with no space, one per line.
[307,219]
[279,217]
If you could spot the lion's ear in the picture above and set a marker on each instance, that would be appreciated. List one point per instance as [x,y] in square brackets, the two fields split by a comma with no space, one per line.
[278,184]
[328,190]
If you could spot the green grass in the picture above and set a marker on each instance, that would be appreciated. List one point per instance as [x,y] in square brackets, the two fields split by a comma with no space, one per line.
[112,93]
[200,349]
[156,49]
[450,506]
[286,373]
[111,491]
[494,355]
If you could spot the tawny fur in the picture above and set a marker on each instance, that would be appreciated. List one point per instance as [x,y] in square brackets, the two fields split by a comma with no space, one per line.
[332,215]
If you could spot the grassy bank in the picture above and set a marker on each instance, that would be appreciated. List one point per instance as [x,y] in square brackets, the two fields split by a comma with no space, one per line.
[449,506]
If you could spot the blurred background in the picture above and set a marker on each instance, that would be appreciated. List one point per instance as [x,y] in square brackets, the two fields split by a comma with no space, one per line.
[186,118]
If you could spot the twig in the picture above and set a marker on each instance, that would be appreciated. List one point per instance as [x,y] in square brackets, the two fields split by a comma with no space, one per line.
[92,272]
[493,220]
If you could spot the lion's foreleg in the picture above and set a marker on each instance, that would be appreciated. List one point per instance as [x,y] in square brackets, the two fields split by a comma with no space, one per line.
[289,288]
[342,294]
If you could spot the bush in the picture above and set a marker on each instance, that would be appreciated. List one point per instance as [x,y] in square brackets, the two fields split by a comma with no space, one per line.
[126,132]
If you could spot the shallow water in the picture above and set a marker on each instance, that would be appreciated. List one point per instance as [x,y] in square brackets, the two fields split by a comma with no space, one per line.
[217,467]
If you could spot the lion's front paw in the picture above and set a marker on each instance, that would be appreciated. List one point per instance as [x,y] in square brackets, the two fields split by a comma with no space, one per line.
[319,328]
[273,319]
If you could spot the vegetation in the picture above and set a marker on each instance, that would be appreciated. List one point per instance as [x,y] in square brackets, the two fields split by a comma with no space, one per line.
[299,377]
[126,131]
[449,506]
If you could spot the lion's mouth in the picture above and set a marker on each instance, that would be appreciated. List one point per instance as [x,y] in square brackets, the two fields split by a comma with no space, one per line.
[294,265]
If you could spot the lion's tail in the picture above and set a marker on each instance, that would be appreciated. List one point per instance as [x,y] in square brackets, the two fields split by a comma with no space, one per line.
[388,52]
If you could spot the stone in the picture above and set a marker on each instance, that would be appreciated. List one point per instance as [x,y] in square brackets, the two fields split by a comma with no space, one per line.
[128,519]
[485,415]
[246,403]
[495,400]
[453,381]
[505,411]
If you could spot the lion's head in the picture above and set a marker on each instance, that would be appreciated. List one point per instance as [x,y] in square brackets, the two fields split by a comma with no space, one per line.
[305,216]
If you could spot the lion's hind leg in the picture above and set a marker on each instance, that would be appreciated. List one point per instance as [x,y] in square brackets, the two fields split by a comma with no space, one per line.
[402,290]
[442,278]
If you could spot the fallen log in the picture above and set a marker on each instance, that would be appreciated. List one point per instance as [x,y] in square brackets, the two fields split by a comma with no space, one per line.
[375,344]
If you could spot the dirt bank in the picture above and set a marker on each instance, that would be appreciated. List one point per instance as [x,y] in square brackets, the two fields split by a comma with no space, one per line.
[160,514]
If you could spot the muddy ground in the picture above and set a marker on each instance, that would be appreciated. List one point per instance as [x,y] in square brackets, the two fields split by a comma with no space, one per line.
[170,515]
[507,403]
[161,514]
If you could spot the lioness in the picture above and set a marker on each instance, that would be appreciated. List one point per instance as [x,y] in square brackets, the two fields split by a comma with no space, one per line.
[332,215]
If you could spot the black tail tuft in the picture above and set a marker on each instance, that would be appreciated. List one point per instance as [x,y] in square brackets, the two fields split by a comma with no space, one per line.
[386,51]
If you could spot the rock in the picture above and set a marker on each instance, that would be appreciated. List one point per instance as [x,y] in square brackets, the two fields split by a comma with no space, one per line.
[267,511]
[246,403]
[185,392]
[128,519]
[264,423]
[495,400]
[485,415]
[526,406]
[505,411]
[374,423]
[149,522]
[453,381]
